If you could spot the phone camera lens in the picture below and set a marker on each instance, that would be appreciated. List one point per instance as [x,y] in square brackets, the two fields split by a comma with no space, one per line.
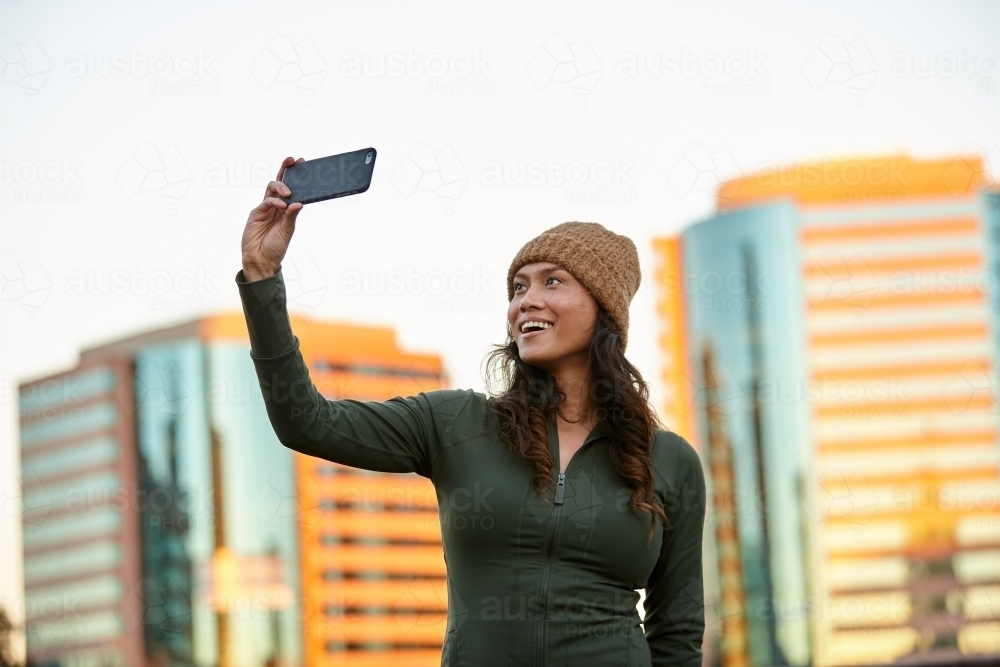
[368,158]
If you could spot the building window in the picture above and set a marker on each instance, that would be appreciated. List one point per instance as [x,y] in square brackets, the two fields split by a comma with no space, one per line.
[69,527]
[83,455]
[66,389]
[69,421]
[71,562]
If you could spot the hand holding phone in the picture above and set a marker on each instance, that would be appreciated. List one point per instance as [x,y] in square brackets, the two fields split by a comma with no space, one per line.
[270,226]
[330,177]
[269,229]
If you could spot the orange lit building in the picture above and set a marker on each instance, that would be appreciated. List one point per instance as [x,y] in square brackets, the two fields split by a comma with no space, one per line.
[373,572]
[852,306]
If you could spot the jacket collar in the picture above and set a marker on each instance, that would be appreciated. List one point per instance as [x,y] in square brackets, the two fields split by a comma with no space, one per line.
[601,430]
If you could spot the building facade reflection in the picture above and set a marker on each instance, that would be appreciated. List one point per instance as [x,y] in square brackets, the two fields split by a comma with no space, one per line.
[166,525]
[850,307]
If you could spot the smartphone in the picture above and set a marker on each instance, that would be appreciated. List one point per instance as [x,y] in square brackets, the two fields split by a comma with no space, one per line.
[329,177]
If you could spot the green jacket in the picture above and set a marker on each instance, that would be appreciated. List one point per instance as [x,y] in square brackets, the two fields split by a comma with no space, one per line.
[534,581]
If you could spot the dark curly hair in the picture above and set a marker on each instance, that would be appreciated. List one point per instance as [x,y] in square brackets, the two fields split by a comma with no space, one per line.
[527,395]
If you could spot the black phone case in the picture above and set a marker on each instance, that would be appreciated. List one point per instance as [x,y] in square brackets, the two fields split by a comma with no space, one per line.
[329,177]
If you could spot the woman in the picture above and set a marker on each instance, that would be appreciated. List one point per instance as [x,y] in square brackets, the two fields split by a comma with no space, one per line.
[589,499]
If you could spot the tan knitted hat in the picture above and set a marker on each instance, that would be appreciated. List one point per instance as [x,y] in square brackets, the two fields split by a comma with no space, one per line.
[606,263]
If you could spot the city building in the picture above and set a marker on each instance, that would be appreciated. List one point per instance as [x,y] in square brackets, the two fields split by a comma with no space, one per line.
[830,340]
[373,571]
[164,523]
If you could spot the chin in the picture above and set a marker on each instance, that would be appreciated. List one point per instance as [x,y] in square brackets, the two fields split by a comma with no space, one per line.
[530,356]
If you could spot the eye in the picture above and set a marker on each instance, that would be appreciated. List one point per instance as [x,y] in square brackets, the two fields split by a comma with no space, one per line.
[553,278]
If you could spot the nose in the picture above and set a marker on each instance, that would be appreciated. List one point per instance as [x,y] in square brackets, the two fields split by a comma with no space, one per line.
[531,298]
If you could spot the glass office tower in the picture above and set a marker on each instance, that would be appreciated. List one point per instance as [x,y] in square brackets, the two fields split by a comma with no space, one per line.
[837,362]
[139,468]
[166,525]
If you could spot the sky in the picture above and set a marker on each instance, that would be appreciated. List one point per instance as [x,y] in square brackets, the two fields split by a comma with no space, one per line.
[138,136]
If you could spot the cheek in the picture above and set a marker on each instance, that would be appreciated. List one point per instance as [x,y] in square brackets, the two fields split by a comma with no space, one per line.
[571,320]
[583,316]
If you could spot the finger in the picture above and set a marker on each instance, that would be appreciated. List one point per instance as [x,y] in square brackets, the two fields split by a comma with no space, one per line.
[284,163]
[289,218]
[270,203]
[277,189]
[292,212]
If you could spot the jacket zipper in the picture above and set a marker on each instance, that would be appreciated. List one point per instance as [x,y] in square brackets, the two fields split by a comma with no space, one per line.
[557,513]
[560,494]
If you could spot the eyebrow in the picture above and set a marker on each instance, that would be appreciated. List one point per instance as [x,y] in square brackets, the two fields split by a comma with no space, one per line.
[521,274]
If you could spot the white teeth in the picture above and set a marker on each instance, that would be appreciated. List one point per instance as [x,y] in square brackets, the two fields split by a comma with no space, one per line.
[543,325]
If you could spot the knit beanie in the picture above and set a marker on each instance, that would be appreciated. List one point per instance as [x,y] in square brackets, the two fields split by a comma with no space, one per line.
[605,263]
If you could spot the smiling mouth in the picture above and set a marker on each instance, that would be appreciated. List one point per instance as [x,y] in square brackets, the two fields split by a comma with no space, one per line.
[531,332]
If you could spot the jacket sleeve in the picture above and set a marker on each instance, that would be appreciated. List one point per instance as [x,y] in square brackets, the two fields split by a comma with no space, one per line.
[397,435]
[674,605]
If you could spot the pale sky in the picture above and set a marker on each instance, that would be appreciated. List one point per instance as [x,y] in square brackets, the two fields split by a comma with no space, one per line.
[137,137]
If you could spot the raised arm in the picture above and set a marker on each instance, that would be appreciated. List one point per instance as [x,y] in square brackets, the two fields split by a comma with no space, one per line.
[398,435]
[674,606]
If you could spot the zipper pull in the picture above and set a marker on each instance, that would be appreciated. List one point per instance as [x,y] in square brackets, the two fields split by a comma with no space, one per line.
[560,488]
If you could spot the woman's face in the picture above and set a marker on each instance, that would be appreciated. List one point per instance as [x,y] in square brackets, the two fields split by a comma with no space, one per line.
[545,292]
